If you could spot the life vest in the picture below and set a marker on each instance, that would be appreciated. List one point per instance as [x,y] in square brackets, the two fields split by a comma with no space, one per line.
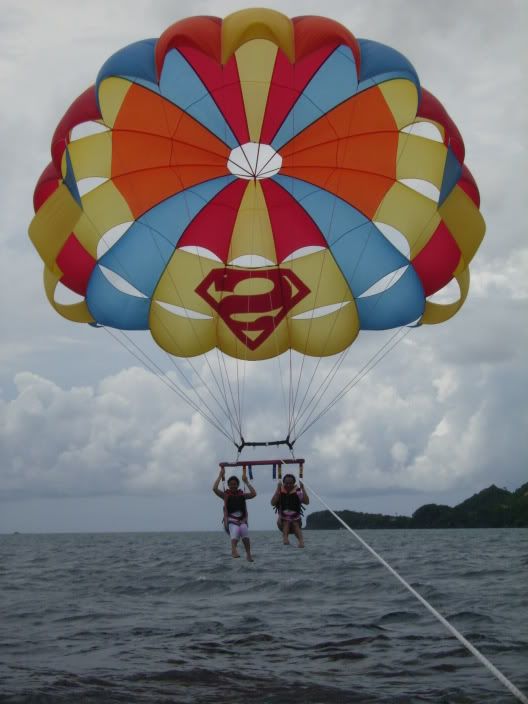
[290,501]
[234,502]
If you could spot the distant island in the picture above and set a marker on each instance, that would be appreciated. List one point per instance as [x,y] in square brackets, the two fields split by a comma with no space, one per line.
[490,508]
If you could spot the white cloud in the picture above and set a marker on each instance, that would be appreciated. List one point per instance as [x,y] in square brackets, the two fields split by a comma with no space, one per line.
[125,435]
[394,430]
[506,277]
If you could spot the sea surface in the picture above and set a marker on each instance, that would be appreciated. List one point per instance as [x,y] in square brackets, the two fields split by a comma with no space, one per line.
[171,617]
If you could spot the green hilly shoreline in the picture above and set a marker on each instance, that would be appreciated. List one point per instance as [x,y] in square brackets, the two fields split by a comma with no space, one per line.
[490,508]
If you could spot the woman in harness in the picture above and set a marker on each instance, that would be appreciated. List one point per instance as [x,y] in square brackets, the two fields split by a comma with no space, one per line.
[289,501]
[235,512]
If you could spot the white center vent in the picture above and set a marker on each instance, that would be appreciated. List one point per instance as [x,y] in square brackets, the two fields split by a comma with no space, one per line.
[254,161]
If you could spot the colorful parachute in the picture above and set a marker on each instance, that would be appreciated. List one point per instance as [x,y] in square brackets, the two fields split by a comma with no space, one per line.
[254,186]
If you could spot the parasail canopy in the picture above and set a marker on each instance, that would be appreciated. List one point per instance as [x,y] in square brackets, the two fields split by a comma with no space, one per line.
[256,184]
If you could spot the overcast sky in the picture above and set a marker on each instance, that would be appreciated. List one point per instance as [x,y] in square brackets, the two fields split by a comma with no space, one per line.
[90,440]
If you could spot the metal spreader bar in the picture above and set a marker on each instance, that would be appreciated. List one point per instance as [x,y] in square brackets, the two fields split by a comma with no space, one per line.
[276,464]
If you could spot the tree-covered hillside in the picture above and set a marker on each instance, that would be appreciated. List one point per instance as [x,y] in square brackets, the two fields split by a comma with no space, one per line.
[490,508]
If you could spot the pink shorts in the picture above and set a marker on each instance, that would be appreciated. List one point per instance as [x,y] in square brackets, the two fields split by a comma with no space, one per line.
[238,531]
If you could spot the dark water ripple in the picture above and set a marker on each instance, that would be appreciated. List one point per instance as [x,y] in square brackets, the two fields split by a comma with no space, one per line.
[170,618]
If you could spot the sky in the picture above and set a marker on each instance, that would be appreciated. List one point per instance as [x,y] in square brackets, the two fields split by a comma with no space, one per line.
[90,440]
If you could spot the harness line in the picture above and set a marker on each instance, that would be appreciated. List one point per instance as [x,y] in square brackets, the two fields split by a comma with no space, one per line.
[472,649]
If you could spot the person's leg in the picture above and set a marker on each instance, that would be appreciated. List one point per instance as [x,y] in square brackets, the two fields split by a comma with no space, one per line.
[244,532]
[247,545]
[285,532]
[296,527]
[234,533]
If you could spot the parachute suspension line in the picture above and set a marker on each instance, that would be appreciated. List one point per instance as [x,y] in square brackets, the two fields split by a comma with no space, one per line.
[241,389]
[374,360]
[273,337]
[221,360]
[325,384]
[240,384]
[239,407]
[300,411]
[331,375]
[320,391]
[206,386]
[284,395]
[223,373]
[184,396]
[285,406]
[224,406]
[291,396]
[294,415]
[294,387]
[198,406]
[290,392]
[344,352]
[222,368]
[466,643]
[232,416]
[228,392]
[147,362]
[319,278]
[303,405]
[327,381]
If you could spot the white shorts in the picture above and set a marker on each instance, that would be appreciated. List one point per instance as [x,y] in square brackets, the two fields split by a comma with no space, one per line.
[236,532]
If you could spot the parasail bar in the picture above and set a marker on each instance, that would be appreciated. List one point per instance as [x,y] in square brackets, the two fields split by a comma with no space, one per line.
[253,463]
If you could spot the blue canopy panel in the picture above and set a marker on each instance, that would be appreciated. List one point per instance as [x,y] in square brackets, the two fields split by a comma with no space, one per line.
[452,173]
[334,82]
[112,307]
[70,181]
[141,255]
[380,63]
[361,251]
[399,304]
[134,62]
[180,84]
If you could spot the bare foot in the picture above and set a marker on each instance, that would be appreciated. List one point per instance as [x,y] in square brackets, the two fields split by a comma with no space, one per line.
[286,542]
[235,554]
[301,545]
[249,558]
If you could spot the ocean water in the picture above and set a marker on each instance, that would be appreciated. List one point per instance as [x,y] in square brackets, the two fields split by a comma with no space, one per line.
[171,617]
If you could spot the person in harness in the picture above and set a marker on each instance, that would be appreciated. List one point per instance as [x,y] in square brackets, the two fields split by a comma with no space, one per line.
[235,518]
[289,501]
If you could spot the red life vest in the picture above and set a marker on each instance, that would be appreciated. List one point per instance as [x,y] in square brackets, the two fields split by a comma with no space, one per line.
[290,501]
